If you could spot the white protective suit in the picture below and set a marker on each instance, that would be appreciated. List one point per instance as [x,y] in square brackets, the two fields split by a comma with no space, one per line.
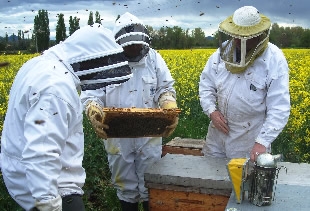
[129,157]
[256,103]
[42,143]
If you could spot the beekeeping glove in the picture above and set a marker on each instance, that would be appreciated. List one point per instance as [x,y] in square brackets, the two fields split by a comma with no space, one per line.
[167,101]
[170,129]
[50,205]
[96,116]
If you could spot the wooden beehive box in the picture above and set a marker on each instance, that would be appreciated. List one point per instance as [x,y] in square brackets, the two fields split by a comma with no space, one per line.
[184,146]
[139,122]
[187,182]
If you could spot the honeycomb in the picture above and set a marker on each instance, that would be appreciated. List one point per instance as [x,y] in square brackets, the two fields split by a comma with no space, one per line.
[138,122]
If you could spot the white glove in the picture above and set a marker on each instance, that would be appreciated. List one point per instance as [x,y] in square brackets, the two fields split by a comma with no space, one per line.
[50,205]
[167,101]
[170,129]
[96,116]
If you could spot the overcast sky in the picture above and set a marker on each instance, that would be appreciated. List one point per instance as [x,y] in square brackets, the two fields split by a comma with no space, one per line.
[188,14]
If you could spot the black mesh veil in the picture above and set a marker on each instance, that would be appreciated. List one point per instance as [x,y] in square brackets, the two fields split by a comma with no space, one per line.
[100,72]
[134,34]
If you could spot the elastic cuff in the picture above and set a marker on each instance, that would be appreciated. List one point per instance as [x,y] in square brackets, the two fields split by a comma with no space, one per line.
[262,142]
[210,111]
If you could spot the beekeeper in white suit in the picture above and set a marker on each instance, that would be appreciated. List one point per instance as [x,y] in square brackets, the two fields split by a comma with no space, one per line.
[42,143]
[244,88]
[150,87]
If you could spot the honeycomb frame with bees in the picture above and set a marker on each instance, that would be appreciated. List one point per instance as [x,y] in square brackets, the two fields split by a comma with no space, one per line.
[139,122]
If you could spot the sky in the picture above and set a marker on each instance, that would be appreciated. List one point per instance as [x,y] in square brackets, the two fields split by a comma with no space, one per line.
[188,14]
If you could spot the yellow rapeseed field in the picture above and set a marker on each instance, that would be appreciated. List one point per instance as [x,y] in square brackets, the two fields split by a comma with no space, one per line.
[186,67]
[6,78]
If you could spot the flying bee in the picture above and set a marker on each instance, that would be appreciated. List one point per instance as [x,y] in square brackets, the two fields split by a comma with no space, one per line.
[3,64]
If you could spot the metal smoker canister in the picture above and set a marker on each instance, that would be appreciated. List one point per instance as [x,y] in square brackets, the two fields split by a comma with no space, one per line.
[263,179]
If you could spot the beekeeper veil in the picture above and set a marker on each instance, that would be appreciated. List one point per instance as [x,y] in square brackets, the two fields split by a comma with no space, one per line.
[94,56]
[243,37]
[130,31]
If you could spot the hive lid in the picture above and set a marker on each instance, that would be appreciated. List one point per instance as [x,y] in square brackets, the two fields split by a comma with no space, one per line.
[200,173]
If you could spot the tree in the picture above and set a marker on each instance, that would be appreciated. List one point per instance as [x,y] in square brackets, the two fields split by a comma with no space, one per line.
[19,35]
[74,24]
[178,37]
[90,18]
[21,44]
[97,17]
[199,37]
[41,31]
[2,44]
[297,33]
[13,37]
[6,37]
[60,29]
[305,39]
[162,36]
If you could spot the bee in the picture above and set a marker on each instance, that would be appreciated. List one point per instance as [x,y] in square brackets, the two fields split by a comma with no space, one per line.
[39,122]
[3,64]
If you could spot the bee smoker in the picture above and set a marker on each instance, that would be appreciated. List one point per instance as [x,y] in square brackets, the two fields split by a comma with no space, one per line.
[258,180]
[262,179]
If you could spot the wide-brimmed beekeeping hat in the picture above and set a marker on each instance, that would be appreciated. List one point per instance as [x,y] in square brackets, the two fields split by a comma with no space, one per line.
[246,21]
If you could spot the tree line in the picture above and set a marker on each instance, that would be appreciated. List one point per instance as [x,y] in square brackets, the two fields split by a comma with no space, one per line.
[164,38]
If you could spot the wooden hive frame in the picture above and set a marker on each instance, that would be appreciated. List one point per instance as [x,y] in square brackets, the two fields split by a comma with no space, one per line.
[138,122]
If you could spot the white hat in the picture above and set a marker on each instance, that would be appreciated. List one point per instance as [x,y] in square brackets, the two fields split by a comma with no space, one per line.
[246,21]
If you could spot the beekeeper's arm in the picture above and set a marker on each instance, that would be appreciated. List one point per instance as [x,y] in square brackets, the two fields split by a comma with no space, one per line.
[277,106]
[93,101]
[207,94]
[46,130]
[165,94]
[207,87]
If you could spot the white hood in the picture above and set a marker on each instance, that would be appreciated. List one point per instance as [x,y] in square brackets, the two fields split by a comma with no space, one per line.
[125,20]
[129,30]
[89,43]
